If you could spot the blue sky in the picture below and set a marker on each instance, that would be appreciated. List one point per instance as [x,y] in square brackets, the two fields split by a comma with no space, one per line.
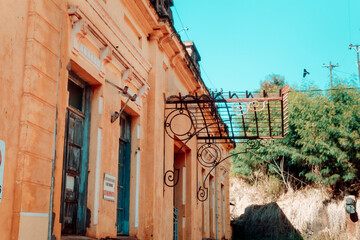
[243,41]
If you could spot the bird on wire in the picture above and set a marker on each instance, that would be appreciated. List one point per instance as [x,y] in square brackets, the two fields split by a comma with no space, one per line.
[305,73]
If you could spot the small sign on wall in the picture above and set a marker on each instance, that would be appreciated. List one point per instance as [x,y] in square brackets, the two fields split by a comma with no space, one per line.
[2,162]
[109,187]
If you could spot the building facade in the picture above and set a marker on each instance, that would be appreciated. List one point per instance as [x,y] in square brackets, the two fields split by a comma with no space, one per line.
[84,144]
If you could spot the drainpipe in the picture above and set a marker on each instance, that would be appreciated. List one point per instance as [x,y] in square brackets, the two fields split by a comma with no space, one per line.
[216,201]
[51,220]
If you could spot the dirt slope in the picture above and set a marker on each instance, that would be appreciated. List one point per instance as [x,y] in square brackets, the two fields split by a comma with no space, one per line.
[307,214]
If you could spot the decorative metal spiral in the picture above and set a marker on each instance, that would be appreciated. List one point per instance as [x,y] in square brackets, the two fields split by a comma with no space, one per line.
[240,109]
[208,149]
[170,178]
[202,194]
[254,106]
[186,116]
[253,144]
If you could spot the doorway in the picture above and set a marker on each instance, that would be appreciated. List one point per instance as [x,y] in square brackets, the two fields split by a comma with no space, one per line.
[76,152]
[181,198]
[179,195]
[123,187]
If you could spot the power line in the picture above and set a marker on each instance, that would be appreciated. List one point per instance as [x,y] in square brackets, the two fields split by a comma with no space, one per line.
[181,23]
[330,66]
[343,72]
[182,26]
[325,90]
[357,49]
[346,55]
[349,20]
[293,91]
[202,68]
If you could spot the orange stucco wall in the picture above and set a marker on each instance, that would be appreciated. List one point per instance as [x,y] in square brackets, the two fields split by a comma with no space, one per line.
[109,45]
[13,54]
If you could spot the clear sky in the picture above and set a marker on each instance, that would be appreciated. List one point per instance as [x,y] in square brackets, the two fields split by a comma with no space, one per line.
[243,41]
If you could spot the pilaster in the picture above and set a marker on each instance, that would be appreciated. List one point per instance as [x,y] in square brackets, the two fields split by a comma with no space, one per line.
[38,111]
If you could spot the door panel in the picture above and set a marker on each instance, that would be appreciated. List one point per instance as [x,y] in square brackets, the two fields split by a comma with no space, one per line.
[124,176]
[72,172]
[76,153]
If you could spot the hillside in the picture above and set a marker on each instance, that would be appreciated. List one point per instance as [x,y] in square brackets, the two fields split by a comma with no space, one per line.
[261,211]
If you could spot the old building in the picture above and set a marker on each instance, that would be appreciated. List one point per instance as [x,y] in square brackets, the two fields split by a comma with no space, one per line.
[88,142]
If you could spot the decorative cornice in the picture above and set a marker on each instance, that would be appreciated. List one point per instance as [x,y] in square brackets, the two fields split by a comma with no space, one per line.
[83,28]
[115,28]
[78,32]
[164,40]
[156,34]
[106,54]
[176,58]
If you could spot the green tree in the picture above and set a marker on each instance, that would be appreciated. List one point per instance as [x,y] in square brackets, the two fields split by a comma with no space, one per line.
[322,146]
[273,82]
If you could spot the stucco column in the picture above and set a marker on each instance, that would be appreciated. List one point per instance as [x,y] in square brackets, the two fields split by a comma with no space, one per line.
[153,146]
[37,122]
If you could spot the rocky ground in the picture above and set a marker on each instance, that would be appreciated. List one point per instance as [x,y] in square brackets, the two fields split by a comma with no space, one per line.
[261,211]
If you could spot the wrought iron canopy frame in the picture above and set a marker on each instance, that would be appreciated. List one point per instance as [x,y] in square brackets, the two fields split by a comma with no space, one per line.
[218,118]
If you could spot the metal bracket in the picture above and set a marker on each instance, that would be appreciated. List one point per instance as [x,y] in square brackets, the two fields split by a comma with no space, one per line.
[124,92]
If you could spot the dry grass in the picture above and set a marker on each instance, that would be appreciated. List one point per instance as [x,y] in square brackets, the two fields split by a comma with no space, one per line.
[309,211]
[302,207]
[244,194]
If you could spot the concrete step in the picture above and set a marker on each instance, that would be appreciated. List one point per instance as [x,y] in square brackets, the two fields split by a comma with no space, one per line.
[126,238]
[76,238]
[120,238]
[89,238]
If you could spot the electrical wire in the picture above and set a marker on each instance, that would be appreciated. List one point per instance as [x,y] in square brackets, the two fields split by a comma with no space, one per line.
[182,27]
[343,72]
[311,90]
[181,23]
[314,90]
[203,69]
[350,37]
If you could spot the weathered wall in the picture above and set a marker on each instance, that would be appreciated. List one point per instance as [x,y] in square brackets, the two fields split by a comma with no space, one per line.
[32,62]
[105,43]
[12,55]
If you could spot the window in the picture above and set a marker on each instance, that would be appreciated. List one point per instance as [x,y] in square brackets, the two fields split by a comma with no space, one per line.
[76,96]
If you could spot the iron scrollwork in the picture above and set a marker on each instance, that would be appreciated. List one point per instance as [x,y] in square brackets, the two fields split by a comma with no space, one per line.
[208,154]
[171,177]
[219,118]
[184,116]
[242,108]
[202,192]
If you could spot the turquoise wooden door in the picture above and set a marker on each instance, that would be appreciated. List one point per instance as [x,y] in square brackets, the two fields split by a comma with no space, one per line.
[123,187]
[75,165]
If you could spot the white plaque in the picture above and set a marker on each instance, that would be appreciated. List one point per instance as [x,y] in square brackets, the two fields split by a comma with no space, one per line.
[109,187]
[70,183]
[2,162]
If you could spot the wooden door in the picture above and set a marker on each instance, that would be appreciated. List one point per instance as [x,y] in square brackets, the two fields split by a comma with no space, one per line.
[123,188]
[75,166]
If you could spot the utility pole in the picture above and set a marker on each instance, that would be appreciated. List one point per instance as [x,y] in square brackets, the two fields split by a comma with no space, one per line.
[331,67]
[357,49]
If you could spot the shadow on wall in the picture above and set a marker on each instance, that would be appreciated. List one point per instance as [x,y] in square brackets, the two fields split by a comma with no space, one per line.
[265,222]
